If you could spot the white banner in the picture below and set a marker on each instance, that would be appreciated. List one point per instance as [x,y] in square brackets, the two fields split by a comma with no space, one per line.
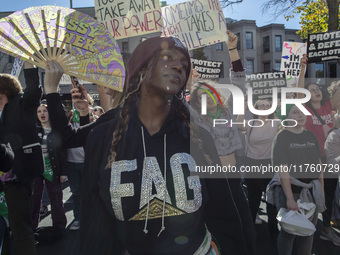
[290,62]
[17,66]
[66,80]
[127,18]
[196,23]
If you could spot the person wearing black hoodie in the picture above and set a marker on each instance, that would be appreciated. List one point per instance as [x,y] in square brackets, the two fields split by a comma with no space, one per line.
[140,190]
[18,128]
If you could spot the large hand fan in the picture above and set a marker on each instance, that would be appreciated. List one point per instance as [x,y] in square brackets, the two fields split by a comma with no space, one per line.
[81,45]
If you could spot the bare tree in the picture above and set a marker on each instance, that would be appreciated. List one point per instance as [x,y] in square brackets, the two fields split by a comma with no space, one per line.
[225,3]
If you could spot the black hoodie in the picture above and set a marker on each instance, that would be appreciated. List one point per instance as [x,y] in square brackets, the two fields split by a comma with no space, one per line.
[118,207]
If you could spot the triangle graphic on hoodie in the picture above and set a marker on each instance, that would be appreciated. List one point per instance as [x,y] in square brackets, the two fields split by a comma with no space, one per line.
[156,210]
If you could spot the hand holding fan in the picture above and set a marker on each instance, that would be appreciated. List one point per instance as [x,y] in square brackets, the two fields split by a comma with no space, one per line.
[81,45]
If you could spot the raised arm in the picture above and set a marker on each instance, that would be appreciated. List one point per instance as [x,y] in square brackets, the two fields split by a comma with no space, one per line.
[301,81]
[72,137]
[232,46]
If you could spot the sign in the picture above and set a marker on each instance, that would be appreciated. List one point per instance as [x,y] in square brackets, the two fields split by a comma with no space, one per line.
[127,18]
[263,83]
[17,66]
[208,69]
[290,62]
[323,46]
[196,23]
[66,80]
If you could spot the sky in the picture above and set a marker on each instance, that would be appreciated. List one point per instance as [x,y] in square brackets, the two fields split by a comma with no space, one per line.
[248,9]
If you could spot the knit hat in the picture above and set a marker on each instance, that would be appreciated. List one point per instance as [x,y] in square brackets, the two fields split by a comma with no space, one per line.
[288,108]
[148,48]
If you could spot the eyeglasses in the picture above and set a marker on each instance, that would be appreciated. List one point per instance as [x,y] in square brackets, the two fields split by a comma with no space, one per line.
[264,106]
[314,90]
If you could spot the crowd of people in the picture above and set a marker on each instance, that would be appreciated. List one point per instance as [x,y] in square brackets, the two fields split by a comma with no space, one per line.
[131,167]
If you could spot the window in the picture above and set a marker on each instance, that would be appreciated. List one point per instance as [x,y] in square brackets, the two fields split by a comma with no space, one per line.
[332,70]
[277,66]
[319,70]
[250,66]
[219,46]
[249,40]
[125,47]
[278,43]
[266,67]
[238,41]
[266,45]
[10,59]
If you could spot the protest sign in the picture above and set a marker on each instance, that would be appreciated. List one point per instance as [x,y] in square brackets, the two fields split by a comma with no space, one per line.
[323,46]
[127,18]
[17,66]
[208,69]
[66,80]
[263,83]
[196,23]
[290,62]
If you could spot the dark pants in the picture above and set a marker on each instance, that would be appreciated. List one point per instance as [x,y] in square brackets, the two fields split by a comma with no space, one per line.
[330,186]
[19,203]
[285,240]
[244,212]
[255,188]
[55,194]
[74,171]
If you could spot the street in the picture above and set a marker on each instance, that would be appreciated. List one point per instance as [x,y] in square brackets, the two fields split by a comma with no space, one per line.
[70,243]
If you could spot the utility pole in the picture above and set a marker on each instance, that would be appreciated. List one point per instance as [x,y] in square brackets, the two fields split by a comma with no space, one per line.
[71,4]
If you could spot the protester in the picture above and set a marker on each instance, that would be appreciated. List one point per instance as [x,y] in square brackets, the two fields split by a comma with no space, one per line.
[320,121]
[259,137]
[332,89]
[226,138]
[55,173]
[332,150]
[6,160]
[98,111]
[19,130]
[296,147]
[76,158]
[153,127]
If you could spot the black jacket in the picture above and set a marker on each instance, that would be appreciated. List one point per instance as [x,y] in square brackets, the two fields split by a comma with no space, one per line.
[73,137]
[56,153]
[116,219]
[6,157]
[19,128]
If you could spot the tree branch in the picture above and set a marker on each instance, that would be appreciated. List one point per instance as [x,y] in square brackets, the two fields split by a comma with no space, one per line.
[226,3]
